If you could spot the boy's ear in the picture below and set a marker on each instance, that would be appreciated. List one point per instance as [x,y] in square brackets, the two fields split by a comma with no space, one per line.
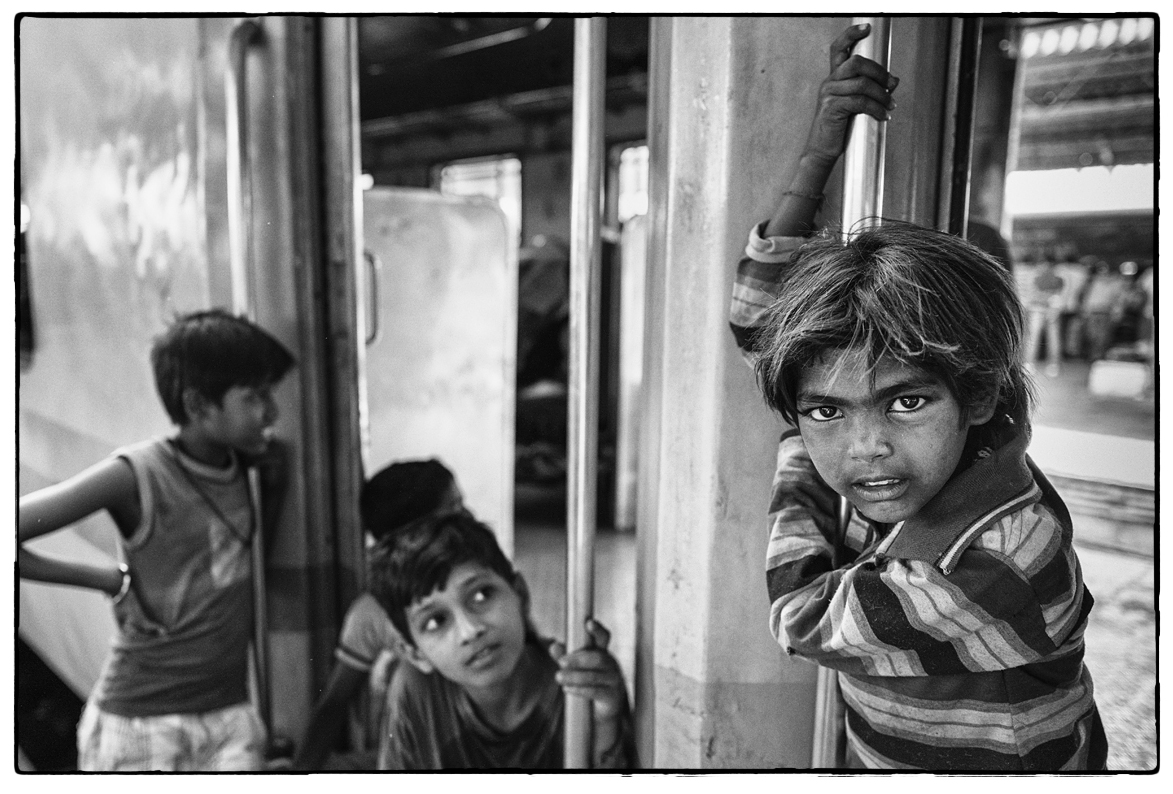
[194,403]
[405,650]
[982,411]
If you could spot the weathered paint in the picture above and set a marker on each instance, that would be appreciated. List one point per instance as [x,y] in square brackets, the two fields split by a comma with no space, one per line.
[441,372]
[110,154]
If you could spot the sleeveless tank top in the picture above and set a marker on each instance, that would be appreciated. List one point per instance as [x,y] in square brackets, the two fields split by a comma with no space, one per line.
[185,625]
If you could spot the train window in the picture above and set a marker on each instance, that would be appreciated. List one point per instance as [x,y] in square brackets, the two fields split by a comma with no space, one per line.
[633,182]
[499,178]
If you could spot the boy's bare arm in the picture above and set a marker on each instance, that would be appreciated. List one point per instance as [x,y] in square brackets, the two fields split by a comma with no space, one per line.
[108,485]
[328,716]
[855,85]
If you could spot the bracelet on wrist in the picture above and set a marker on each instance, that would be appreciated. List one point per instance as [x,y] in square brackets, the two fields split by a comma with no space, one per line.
[122,591]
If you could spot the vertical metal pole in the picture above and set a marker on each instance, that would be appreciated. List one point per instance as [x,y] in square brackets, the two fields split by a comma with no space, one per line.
[863,200]
[965,41]
[240,246]
[583,420]
[863,162]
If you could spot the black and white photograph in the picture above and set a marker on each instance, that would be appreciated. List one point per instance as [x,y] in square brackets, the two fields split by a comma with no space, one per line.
[631,394]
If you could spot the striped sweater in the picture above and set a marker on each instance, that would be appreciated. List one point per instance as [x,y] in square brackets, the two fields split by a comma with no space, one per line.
[958,634]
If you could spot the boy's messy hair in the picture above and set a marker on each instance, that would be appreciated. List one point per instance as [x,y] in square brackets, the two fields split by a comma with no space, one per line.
[925,298]
[416,560]
[401,493]
[213,351]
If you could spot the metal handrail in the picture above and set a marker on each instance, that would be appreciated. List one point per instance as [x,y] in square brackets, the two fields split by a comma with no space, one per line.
[863,201]
[583,409]
[239,175]
[245,35]
[863,161]
[374,267]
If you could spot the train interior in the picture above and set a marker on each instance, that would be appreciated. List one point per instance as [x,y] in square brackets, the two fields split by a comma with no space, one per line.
[463,153]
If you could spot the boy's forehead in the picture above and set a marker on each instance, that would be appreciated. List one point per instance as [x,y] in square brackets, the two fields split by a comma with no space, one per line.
[459,577]
[853,369]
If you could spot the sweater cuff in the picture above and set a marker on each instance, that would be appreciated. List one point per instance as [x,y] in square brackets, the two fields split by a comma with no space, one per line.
[771,250]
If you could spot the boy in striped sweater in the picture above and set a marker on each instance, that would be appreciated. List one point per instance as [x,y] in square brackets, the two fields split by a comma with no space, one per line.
[953,607]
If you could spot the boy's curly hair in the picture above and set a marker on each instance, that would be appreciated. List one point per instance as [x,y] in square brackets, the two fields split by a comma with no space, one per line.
[412,562]
[213,351]
[401,493]
[927,299]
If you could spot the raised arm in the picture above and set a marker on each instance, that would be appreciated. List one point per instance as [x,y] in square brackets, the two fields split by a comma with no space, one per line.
[108,485]
[855,85]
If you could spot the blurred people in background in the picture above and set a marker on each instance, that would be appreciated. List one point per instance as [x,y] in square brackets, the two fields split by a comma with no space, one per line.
[1144,284]
[1044,305]
[1102,308]
[1074,273]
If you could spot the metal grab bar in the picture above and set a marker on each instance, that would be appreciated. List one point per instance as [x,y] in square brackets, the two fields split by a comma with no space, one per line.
[239,173]
[863,162]
[374,266]
[244,36]
[863,200]
[583,419]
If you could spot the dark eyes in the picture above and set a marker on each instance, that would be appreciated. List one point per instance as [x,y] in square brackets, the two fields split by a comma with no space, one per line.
[907,404]
[901,405]
[822,413]
[482,594]
[477,600]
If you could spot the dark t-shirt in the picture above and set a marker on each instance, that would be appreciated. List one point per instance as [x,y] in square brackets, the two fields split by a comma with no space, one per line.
[432,724]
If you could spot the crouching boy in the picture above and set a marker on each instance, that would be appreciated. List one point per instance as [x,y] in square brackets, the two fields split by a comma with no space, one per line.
[953,608]
[482,690]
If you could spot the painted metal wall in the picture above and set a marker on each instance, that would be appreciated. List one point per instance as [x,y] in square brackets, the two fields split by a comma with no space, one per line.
[124,168]
[113,173]
[731,100]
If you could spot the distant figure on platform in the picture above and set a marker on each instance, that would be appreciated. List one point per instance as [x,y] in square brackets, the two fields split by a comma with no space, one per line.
[397,495]
[173,694]
[1102,308]
[952,605]
[481,690]
[1144,283]
[1044,308]
[1075,273]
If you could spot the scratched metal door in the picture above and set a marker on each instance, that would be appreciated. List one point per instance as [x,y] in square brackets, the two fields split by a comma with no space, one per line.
[442,284]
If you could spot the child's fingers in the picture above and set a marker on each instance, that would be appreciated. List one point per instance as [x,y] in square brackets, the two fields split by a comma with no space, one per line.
[860,67]
[599,632]
[844,43]
[589,659]
[557,651]
[597,694]
[860,87]
[580,677]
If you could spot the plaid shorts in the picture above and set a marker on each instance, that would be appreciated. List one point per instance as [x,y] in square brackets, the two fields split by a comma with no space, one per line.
[231,739]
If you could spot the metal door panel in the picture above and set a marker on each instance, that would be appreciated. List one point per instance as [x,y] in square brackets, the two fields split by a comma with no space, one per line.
[441,369]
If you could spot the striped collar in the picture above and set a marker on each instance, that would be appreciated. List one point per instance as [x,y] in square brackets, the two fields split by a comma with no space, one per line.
[973,500]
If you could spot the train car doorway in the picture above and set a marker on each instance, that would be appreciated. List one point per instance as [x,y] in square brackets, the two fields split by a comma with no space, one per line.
[465,141]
